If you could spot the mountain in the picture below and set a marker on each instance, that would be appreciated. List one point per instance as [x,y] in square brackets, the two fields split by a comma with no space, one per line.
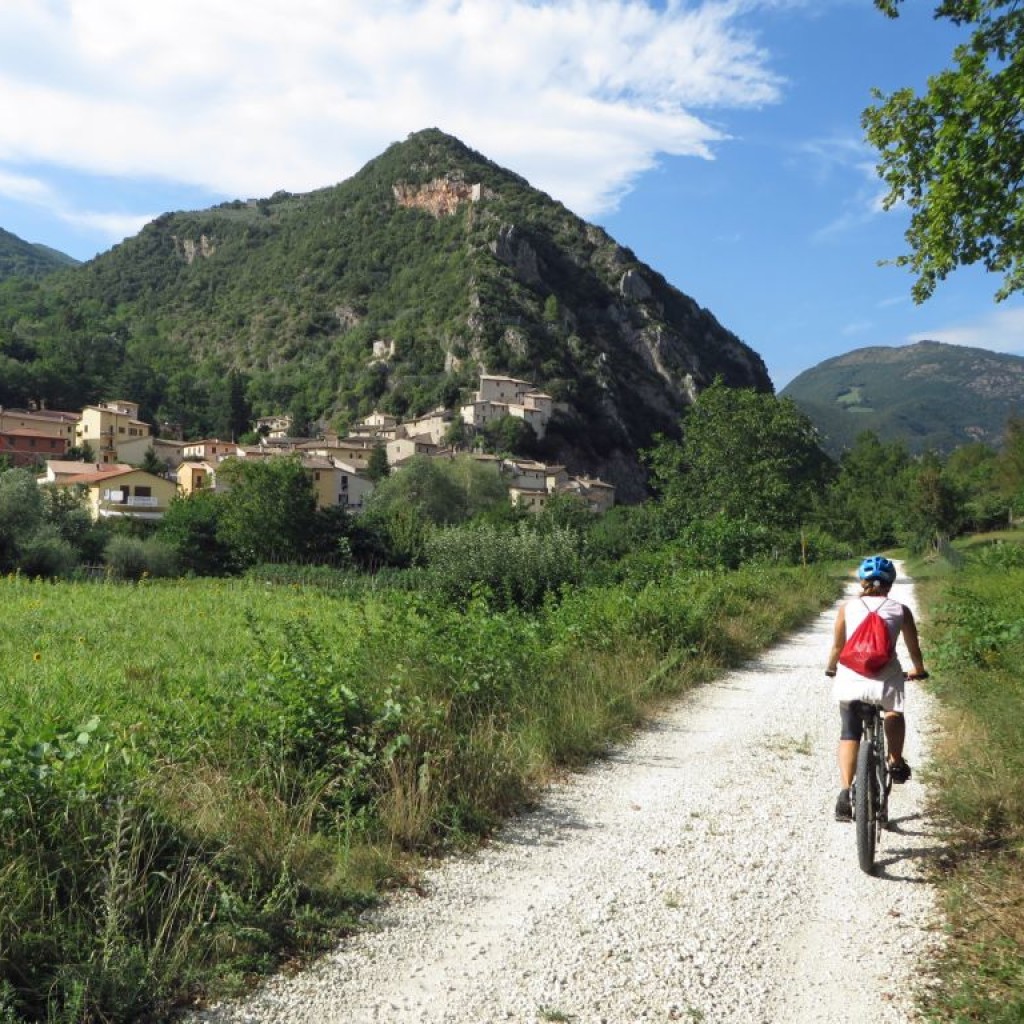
[19,258]
[391,290]
[929,395]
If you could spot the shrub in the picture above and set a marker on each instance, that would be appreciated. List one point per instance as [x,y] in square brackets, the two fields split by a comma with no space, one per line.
[129,558]
[125,558]
[47,554]
[515,567]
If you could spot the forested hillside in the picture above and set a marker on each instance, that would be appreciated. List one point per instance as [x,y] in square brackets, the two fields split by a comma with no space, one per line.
[928,396]
[392,290]
[19,258]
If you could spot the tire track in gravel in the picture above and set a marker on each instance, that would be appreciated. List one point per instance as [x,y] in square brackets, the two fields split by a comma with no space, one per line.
[695,874]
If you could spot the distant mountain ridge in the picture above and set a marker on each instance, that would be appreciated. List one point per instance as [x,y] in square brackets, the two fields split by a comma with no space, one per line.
[930,395]
[393,290]
[19,258]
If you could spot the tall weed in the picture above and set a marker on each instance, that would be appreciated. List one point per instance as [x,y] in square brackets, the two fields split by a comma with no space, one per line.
[976,639]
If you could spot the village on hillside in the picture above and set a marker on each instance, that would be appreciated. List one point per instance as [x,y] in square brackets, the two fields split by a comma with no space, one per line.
[137,475]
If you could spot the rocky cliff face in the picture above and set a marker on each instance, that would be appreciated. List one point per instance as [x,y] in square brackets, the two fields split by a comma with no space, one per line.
[440,197]
[556,300]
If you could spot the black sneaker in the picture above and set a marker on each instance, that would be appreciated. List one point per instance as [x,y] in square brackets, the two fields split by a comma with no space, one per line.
[899,772]
[844,812]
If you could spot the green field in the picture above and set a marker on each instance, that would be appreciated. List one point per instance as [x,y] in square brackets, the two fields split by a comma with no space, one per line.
[200,779]
[974,636]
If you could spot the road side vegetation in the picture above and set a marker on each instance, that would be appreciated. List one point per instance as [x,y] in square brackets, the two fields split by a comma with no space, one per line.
[975,638]
[202,778]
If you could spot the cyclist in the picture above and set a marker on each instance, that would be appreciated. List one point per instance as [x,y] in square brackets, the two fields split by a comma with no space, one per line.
[876,575]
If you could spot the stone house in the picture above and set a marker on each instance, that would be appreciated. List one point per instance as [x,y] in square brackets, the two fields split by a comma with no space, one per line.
[508,396]
[404,448]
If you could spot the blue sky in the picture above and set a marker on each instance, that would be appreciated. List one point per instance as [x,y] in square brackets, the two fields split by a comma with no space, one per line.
[721,141]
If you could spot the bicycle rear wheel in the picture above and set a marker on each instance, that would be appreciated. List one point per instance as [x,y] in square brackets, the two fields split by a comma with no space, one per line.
[865,810]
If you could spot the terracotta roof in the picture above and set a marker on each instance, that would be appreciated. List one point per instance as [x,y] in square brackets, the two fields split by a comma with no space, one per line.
[29,432]
[95,478]
[61,467]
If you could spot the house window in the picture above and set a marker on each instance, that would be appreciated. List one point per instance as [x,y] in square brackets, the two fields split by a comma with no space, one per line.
[344,483]
[143,492]
[120,430]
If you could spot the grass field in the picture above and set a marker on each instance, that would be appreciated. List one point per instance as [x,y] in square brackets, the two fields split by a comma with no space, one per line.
[974,645]
[199,779]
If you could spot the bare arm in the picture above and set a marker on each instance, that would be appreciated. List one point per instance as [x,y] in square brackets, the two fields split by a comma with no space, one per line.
[838,640]
[910,638]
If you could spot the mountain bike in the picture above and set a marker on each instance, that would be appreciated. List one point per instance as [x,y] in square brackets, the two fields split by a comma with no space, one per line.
[872,783]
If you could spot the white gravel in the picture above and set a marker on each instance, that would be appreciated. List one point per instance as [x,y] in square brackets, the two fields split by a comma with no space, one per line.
[697,874]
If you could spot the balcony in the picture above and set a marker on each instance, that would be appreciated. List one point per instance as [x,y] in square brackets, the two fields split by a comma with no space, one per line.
[115,504]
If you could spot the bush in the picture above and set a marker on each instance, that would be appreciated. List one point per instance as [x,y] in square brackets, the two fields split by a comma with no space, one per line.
[125,558]
[129,558]
[47,554]
[515,567]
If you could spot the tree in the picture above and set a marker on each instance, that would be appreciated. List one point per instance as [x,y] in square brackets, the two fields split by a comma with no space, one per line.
[863,504]
[66,511]
[425,487]
[457,433]
[302,416]
[933,511]
[745,455]
[510,435]
[21,514]
[268,513]
[972,469]
[955,155]
[377,466]
[1011,460]
[152,463]
[229,412]
[191,526]
[81,453]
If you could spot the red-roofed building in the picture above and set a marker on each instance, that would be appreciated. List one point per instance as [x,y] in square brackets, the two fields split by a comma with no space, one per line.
[23,446]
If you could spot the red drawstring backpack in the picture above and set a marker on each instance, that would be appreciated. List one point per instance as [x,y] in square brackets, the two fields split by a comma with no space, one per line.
[868,649]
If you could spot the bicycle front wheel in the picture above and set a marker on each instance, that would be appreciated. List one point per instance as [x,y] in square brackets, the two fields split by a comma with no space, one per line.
[865,810]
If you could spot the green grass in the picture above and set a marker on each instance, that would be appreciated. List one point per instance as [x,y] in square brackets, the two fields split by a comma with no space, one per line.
[199,780]
[974,638]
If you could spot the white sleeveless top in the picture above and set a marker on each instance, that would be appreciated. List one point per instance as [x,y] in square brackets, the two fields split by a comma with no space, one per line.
[886,686]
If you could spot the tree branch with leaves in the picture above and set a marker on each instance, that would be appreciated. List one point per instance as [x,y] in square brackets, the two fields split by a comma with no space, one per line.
[955,154]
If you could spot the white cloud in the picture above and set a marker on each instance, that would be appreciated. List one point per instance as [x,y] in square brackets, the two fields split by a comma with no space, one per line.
[113,225]
[828,158]
[1002,330]
[33,192]
[858,327]
[24,189]
[580,96]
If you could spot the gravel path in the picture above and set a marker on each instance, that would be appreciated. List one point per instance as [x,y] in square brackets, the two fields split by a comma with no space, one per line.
[697,874]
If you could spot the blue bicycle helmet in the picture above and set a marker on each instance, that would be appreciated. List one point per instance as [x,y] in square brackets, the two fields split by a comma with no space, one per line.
[877,568]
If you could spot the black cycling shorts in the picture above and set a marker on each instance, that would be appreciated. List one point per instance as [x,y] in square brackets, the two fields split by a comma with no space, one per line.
[850,722]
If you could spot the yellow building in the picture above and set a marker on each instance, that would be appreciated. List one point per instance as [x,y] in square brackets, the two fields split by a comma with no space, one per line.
[196,476]
[114,431]
[124,493]
[337,483]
